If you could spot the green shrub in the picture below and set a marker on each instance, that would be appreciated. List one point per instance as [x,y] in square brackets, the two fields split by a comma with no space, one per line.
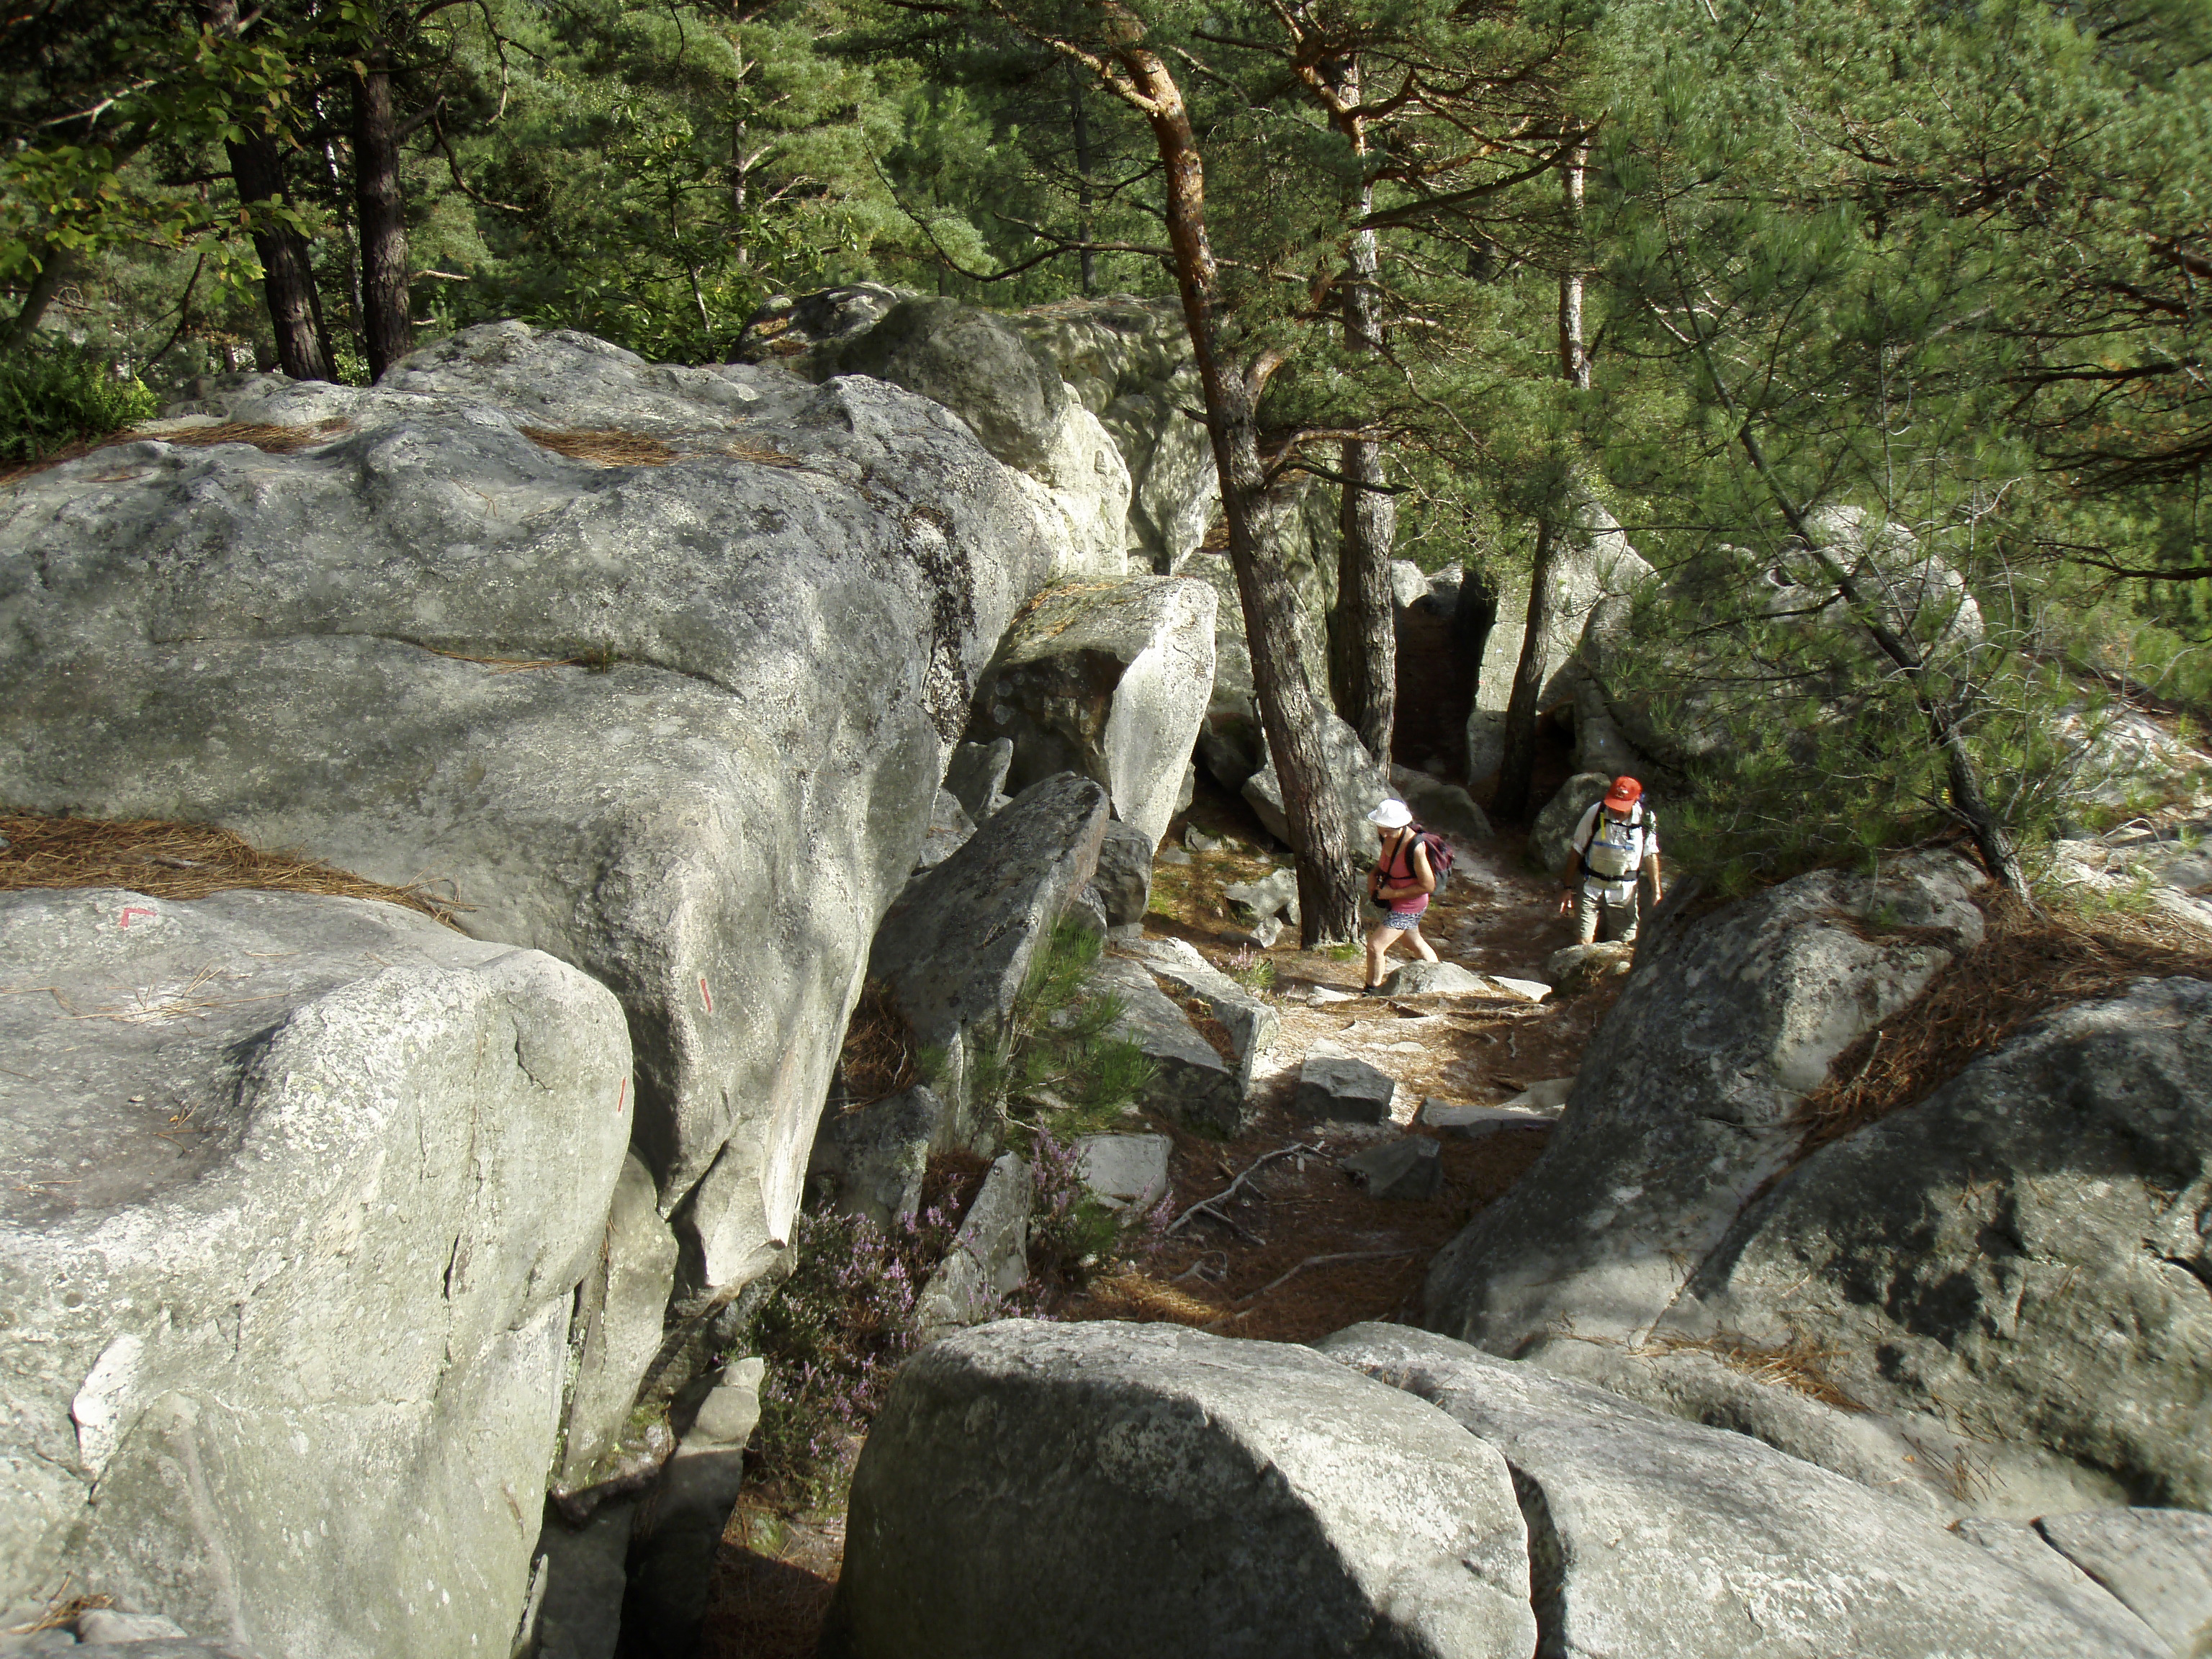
[52,396]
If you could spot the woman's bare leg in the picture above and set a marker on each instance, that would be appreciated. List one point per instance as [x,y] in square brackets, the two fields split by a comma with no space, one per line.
[1379,942]
[1421,946]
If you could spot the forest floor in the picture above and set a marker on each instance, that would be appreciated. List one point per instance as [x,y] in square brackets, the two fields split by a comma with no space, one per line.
[1304,1249]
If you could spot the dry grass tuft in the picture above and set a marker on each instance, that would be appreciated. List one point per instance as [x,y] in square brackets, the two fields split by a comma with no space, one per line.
[63,1610]
[1133,1296]
[171,860]
[745,449]
[1801,1365]
[2028,963]
[878,1058]
[601,447]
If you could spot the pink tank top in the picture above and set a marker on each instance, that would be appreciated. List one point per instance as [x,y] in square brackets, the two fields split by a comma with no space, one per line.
[1403,876]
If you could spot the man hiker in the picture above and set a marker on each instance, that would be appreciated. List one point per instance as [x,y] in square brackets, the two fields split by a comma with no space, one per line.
[1616,842]
[1401,882]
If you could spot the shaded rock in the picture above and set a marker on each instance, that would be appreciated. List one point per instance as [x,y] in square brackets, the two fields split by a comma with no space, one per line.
[1550,837]
[1087,910]
[1125,1171]
[1333,1084]
[1250,1022]
[949,829]
[976,776]
[1649,1534]
[1409,583]
[619,1314]
[1357,784]
[1594,561]
[1275,894]
[1580,968]
[1434,979]
[677,1532]
[584,1575]
[730,1411]
[1444,807]
[956,948]
[1550,1096]
[1170,853]
[1191,1082]
[2066,1144]
[2159,1562]
[1124,875]
[1254,1504]
[878,1153]
[989,1254]
[1109,681]
[303,1199]
[1485,743]
[1199,841]
[1686,1098]
[1411,1166]
[711,826]
[786,326]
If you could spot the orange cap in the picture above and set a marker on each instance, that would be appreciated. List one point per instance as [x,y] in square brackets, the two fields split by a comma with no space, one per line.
[1624,795]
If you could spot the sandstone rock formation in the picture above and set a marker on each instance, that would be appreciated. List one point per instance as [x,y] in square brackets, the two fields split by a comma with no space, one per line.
[1110,680]
[1147,1489]
[741,674]
[302,1188]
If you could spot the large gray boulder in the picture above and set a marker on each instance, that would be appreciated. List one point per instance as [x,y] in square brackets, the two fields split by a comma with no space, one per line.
[1651,1536]
[1683,1102]
[1444,807]
[956,948]
[300,1193]
[878,1153]
[2159,1562]
[1191,1081]
[1108,680]
[770,645]
[1111,1489]
[1551,838]
[1963,1258]
[1357,784]
[1128,362]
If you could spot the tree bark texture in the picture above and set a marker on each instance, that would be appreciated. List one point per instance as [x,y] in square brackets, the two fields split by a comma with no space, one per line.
[1081,120]
[1329,871]
[1363,636]
[1574,357]
[287,279]
[387,326]
[53,271]
[1519,765]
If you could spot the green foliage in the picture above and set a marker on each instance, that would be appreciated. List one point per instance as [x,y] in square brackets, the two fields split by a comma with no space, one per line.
[61,395]
[1060,1064]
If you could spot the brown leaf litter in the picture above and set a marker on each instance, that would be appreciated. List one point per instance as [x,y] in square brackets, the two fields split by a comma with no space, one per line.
[171,860]
[269,439]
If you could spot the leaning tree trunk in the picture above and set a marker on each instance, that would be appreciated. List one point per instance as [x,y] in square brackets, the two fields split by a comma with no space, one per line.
[387,328]
[54,263]
[1328,869]
[1363,667]
[1519,765]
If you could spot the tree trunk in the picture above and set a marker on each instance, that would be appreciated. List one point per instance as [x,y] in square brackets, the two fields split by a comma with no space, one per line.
[387,328]
[1363,668]
[1474,615]
[1329,870]
[287,279]
[53,270]
[1574,359]
[1515,772]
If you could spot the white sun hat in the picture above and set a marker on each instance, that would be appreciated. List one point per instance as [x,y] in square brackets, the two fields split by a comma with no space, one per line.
[1392,815]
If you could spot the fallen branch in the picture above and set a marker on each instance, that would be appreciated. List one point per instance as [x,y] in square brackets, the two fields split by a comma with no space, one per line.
[1211,1206]
[1310,1261]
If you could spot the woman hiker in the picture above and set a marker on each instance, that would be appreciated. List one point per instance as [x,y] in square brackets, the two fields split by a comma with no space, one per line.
[1401,882]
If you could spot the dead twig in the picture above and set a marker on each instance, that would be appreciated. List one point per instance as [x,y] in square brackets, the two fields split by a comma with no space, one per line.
[1212,1206]
[1328,1261]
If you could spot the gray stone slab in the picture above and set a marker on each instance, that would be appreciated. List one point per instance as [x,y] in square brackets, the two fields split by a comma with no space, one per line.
[1124,875]
[1204,1495]
[1125,1171]
[1409,1167]
[1472,1122]
[1657,1537]
[1434,979]
[977,775]
[1335,1084]
[1191,1080]
[300,1189]
[2159,1562]
[989,1254]
[622,1307]
[1250,1021]
[1275,894]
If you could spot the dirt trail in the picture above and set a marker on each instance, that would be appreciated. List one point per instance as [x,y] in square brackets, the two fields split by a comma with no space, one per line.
[1268,1270]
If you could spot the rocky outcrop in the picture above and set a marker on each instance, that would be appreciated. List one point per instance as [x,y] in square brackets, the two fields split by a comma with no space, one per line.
[1357,784]
[1145,1489]
[956,948]
[1191,1081]
[1594,561]
[1109,681]
[678,724]
[1684,1101]
[619,1311]
[302,1189]
[1924,1303]
[1653,1536]
[1250,1023]
[1551,838]
[989,1254]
